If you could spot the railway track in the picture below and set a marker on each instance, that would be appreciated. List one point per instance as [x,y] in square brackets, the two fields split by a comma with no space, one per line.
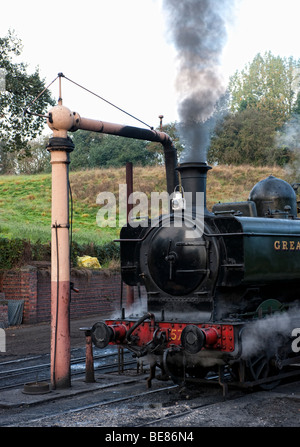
[137,405]
[92,413]
[131,395]
[112,394]
[126,402]
[119,401]
[16,372]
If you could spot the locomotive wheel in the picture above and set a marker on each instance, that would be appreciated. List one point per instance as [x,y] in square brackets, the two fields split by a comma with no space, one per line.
[174,365]
[259,367]
[197,372]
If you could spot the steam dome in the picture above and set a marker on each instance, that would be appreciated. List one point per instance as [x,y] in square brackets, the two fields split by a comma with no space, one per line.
[273,195]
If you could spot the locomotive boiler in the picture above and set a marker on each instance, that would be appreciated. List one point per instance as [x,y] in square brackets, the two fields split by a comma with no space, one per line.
[222,286]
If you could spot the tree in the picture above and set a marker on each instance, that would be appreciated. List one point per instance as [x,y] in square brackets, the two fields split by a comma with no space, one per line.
[84,141]
[246,137]
[296,108]
[115,151]
[262,100]
[96,150]
[157,149]
[268,83]
[39,159]
[21,88]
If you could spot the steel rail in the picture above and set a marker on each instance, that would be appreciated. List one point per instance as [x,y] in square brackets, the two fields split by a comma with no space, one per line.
[99,404]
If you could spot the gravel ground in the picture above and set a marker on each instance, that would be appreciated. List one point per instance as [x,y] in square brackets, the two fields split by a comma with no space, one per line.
[170,408]
[251,412]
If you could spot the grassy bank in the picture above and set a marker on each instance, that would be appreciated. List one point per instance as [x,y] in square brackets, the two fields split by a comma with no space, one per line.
[25,201]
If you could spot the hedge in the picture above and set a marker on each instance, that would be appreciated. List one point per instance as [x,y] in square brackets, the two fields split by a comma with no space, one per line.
[15,253]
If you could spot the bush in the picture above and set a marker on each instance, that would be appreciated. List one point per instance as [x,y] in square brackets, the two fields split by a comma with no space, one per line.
[11,252]
[104,253]
[15,253]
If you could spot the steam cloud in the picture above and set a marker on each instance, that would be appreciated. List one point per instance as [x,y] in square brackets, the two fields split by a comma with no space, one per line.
[267,334]
[289,138]
[198,30]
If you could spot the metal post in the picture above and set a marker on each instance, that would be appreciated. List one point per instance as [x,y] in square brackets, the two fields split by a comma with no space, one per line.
[120,360]
[60,263]
[89,357]
[61,120]
[160,122]
[60,147]
[129,183]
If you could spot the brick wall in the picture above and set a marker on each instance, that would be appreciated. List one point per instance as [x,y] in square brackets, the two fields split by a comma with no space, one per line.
[3,311]
[21,284]
[99,292]
[28,290]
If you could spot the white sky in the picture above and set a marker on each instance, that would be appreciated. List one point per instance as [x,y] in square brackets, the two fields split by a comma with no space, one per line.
[119,50]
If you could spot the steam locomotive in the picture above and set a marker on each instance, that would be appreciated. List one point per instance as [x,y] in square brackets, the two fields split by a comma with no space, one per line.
[222,286]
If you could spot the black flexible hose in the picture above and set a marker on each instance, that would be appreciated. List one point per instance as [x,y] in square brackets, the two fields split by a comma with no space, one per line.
[147,316]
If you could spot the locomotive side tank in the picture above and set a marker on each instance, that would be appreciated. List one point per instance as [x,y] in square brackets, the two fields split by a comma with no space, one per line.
[271,250]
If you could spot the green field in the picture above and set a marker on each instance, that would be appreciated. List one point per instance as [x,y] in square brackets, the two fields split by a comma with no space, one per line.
[25,201]
[25,211]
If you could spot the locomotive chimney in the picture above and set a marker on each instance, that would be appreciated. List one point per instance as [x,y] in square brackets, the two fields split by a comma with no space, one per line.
[193,179]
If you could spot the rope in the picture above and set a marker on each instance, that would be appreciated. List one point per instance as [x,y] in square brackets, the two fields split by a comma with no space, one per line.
[26,110]
[108,102]
[61,75]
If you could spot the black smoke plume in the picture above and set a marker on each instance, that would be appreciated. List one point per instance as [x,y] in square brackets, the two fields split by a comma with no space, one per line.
[198,29]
